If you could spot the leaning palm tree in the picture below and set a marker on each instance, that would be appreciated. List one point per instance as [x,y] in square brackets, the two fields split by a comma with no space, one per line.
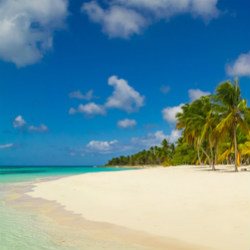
[232,110]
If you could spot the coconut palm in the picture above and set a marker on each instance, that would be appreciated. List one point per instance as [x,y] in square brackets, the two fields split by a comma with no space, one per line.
[197,120]
[232,111]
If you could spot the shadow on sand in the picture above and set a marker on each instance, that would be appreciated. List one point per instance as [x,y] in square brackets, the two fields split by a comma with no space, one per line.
[222,169]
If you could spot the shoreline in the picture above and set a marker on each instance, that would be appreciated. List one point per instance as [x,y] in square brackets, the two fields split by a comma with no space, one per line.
[229,167]
[110,235]
[185,206]
[137,166]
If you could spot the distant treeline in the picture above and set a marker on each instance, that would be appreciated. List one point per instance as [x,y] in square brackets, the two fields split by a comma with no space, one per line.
[166,154]
[215,129]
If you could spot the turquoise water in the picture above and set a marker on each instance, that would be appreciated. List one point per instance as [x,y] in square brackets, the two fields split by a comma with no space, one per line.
[21,230]
[9,174]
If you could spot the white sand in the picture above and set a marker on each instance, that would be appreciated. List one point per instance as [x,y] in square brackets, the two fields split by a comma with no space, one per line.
[211,209]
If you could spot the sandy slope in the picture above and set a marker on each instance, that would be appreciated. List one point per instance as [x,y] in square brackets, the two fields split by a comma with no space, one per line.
[194,205]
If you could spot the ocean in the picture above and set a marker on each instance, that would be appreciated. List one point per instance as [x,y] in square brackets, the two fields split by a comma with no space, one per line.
[13,174]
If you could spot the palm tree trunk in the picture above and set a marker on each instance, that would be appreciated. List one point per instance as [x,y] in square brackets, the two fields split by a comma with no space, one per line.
[216,153]
[209,160]
[235,150]
[212,155]
[199,157]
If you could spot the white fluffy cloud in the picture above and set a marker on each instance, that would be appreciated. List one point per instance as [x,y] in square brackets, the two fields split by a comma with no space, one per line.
[102,147]
[90,109]
[114,146]
[169,113]
[153,139]
[127,123]
[81,96]
[124,97]
[123,18]
[195,94]
[19,122]
[168,8]
[132,145]
[27,27]
[116,21]
[39,129]
[241,67]
[6,146]
[174,136]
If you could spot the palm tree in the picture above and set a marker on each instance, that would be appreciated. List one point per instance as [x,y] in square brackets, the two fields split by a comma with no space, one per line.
[197,121]
[185,122]
[232,110]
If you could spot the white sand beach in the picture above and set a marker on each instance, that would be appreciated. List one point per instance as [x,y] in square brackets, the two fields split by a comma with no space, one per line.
[187,203]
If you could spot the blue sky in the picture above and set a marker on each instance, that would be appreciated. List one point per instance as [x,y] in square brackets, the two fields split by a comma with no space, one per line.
[83,81]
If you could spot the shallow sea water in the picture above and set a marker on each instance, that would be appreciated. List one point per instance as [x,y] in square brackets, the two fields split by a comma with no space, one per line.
[26,230]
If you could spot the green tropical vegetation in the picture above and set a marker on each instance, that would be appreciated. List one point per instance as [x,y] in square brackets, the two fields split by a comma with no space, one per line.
[215,130]
[154,156]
